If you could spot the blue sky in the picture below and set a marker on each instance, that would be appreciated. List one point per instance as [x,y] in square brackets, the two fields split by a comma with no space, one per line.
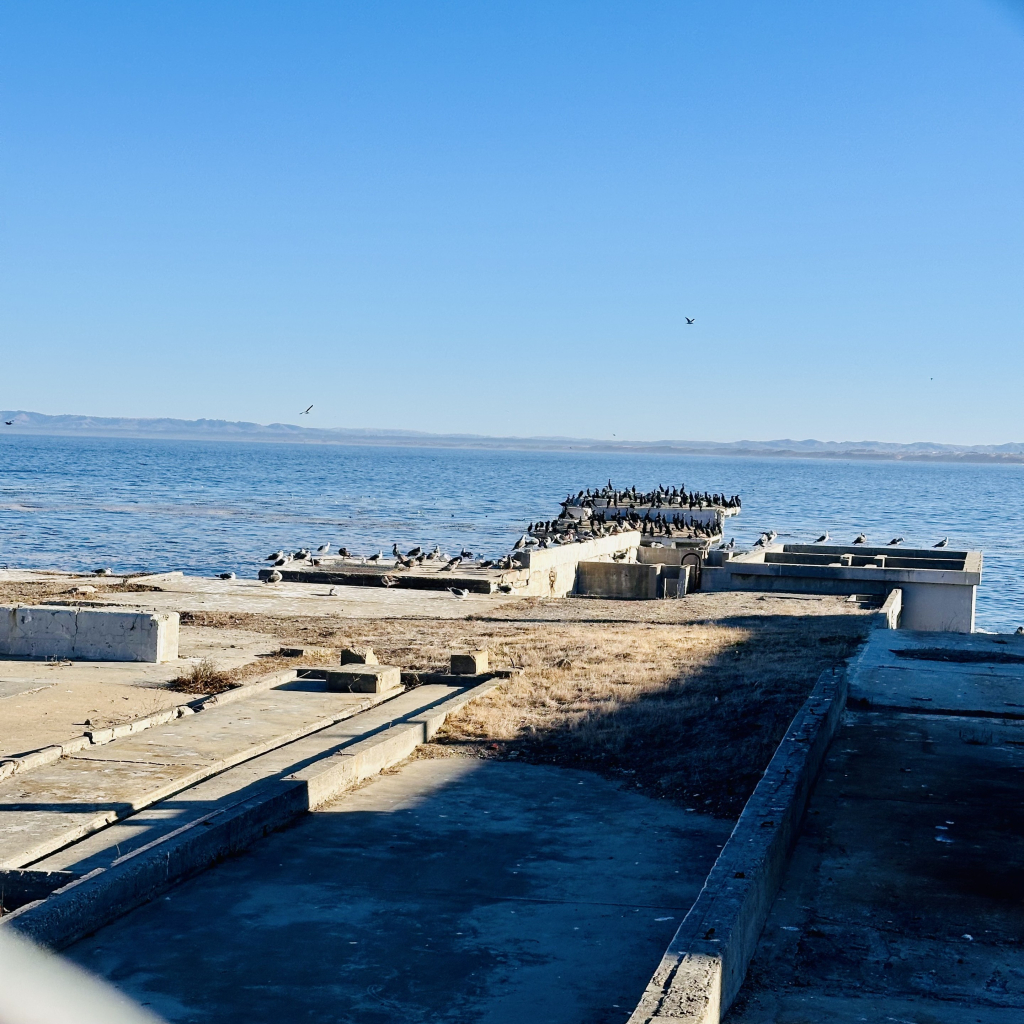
[494,217]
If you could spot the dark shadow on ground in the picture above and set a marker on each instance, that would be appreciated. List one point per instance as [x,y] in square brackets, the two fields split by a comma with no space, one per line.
[453,890]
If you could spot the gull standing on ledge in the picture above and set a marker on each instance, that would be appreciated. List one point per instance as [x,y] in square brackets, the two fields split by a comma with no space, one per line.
[942,543]
[823,539]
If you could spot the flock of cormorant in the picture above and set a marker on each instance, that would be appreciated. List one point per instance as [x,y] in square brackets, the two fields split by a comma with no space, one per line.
[660,497]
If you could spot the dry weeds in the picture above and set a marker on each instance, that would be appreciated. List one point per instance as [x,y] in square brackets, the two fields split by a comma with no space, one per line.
[690,708]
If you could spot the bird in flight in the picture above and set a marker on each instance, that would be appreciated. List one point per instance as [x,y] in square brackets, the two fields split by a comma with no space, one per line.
[9,423]
[305,412]
[690,320]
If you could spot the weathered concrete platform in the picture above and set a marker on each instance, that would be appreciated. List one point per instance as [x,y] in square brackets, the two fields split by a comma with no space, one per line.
[904,898]
[453,890]
[47,808]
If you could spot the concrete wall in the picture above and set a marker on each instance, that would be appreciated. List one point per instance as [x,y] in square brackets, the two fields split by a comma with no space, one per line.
[88,634]
[938,606]
[553,571]
[624,580]
[932,599]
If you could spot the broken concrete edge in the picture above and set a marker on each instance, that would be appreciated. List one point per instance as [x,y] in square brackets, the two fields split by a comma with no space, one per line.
[703,969]
[96,737]
[447,679]
[97,898]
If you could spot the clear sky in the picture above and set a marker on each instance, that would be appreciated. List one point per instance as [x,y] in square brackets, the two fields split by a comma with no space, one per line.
[494,216]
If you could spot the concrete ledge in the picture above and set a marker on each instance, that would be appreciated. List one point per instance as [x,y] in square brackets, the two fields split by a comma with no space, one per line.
[88,634]
[704,966]
[888,616]
[89,902]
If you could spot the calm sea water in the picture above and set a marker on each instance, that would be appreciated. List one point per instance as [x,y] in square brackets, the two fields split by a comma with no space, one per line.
[205,507]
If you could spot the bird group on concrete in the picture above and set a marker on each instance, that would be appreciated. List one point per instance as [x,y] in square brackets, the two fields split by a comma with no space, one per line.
[660,497]
[862,538]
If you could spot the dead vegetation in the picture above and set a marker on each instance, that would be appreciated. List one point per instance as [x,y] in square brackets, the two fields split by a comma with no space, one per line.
[689,708]
[203,678]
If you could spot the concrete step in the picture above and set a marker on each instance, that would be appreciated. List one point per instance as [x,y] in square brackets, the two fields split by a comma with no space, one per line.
[114,870]
[59,803]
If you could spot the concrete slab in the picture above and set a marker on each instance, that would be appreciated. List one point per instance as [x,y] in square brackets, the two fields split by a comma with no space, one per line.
[904,899]
[913,842]
[215,790]
[977,674]
[452,890]
[43,703]
[42,810]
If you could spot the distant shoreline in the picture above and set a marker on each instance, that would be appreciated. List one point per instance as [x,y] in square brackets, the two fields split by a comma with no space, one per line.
[41,425]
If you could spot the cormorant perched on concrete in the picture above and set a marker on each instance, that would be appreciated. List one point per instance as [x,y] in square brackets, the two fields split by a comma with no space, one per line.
[894,542]
[823,539]
[942,543]
[415,551]
[395,551]
[860,539]
[344,552]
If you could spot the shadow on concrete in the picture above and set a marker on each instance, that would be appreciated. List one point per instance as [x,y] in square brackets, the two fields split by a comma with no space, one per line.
[455,889]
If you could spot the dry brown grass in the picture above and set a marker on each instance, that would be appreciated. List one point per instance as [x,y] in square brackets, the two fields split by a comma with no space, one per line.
[690,707]
[203,678]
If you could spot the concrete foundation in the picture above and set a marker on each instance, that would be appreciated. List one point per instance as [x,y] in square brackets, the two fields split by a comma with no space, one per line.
[88,634]
[939,587]
[623,580]
[364,679]
[470,663]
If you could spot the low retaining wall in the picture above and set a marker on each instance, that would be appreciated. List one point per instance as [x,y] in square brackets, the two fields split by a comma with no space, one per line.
[553,572]
[87,634]
[702,970]
[622,580]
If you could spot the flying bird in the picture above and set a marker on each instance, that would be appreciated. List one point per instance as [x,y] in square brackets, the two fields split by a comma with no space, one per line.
[942,543]
[690,320]
[9,423]
[305,412]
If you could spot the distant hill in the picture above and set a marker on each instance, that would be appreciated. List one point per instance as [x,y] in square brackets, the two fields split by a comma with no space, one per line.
[224,430]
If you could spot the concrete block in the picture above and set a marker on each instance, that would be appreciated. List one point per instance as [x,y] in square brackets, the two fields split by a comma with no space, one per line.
[31,632]
[358,656]
[629,581]
[364,679]
[90,634]
[472,663]
[126,636]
